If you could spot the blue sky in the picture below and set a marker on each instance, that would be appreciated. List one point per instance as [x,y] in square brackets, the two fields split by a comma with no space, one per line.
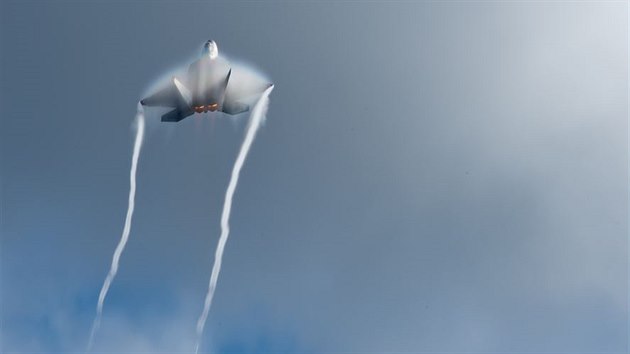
[432,177]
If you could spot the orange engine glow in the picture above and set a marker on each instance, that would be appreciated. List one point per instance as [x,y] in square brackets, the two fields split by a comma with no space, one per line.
[211,107]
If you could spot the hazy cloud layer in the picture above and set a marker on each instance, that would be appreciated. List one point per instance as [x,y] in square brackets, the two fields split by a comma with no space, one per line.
[431,177]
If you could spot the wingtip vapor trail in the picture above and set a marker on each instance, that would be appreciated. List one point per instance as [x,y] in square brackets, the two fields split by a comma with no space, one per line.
[257,117]
[137,146]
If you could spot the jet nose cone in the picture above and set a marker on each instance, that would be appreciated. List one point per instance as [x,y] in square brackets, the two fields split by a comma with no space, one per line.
[210,48]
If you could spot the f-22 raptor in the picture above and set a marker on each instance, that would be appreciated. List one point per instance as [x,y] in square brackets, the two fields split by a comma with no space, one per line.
[205,89]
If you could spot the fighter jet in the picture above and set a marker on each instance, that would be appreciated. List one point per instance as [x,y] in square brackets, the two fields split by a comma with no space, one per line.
[205,89]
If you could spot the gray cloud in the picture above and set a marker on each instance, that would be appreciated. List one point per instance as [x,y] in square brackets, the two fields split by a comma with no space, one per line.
[431,177]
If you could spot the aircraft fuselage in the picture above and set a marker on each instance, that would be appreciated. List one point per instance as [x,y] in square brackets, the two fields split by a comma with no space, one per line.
[207,80]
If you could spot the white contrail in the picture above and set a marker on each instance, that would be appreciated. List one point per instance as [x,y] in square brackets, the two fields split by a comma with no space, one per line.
[257,117]
[125,234]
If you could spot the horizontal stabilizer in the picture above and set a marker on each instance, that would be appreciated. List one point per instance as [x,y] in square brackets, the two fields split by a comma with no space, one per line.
[175,115]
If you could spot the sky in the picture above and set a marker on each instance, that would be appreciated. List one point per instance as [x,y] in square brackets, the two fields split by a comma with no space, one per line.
[431,177]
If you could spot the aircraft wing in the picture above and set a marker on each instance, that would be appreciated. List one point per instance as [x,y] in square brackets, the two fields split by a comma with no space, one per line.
[174,95]
[232,107]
